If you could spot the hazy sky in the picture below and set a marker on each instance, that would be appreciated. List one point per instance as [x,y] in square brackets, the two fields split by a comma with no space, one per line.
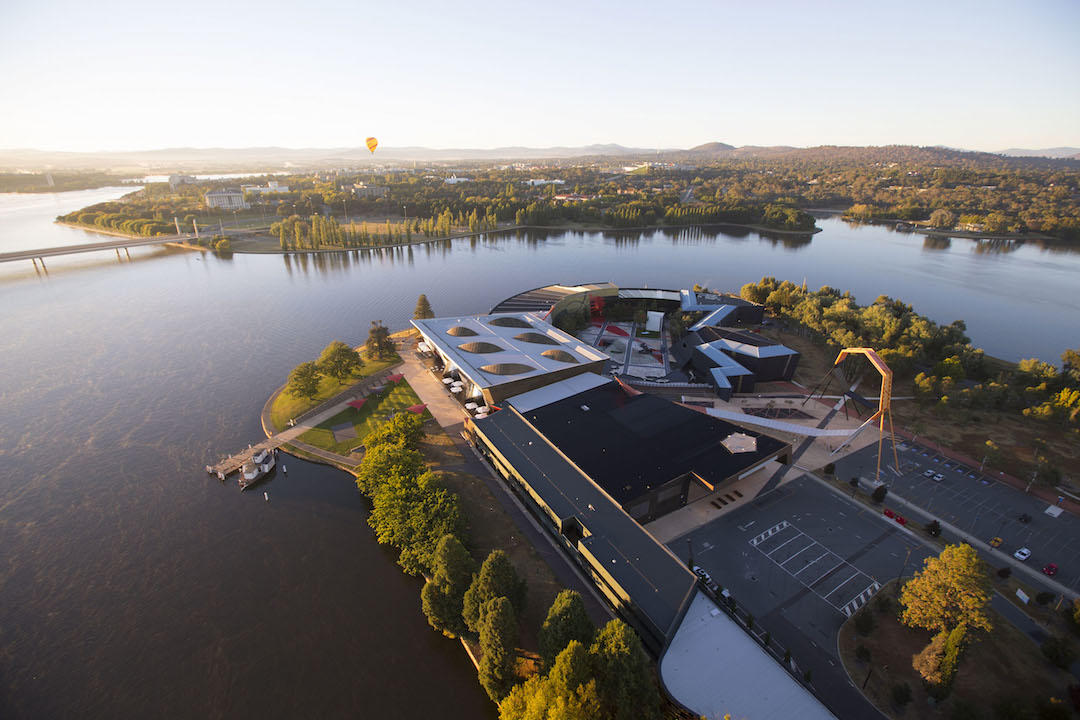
[135,75]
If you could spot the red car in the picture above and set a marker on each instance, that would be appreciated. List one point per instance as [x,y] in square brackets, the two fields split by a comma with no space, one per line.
[901,519]
[889,513]
[1050,569]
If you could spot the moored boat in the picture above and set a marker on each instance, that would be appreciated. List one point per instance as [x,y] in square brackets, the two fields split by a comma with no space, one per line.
[255,469]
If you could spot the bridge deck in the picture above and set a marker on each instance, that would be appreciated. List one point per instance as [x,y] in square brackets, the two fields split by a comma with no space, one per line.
[114,244]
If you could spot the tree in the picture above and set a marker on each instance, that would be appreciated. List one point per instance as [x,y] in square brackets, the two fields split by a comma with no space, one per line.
[942,219]
[566,621]
[952,589]
[304,380]
[991,453]
[340,361]
[405,429]
[568,692]
[423,308]
[1059,651]
[498,640]
[497,578]
[379,345]
[879,493]
[623,674]
[933,528]
[442,595]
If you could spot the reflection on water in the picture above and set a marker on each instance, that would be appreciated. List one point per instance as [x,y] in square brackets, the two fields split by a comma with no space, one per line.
[132,582]
[936,242]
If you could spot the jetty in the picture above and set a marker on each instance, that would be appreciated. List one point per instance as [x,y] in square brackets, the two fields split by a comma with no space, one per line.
[227,466]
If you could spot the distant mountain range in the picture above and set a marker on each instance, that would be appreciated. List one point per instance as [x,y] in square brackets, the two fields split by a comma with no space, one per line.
[1058,152]
[277,158]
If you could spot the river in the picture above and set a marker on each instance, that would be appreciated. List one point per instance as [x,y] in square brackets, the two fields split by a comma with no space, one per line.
[132,584]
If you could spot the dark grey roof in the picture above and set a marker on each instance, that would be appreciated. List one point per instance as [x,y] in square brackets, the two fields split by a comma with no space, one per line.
[657,582]
[632,444]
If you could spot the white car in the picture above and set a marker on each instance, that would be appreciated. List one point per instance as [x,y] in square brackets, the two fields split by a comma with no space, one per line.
[1022,554]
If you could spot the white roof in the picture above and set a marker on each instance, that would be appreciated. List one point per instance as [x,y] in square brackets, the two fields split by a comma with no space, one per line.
[530,358]
[728,365]
[759,351]
[713,667]
[649,293]
[715,317]
[557,391]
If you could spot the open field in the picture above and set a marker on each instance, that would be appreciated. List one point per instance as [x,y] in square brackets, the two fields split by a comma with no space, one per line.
[287,405]
[395,398]
[997,665]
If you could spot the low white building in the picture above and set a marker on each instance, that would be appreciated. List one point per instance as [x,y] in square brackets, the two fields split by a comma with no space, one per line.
[272,186]
[454,180]
[226,199]
[537,181]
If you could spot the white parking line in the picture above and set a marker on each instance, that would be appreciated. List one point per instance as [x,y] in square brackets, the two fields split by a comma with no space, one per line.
[802,549]
[847,608]
[770,553]
[853,576]
[808,564]
[826,573]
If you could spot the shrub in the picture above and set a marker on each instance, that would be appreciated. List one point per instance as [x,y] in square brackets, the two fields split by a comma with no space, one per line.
[1004,572]
[933,528]
[864,622]
[1059,651]
[901,694]
[830,469]
[963,710]
[879,493]
[862,653]
[1044,597]
[1052,709]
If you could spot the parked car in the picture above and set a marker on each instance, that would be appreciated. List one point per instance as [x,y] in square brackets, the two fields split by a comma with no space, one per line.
[995,542]
[901,519]
[938,477]
[1022,554]
[928,473]
[706,579]
[889,513]
[1050,569]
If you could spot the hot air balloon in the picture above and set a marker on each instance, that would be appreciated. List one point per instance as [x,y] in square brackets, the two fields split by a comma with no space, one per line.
[372,143]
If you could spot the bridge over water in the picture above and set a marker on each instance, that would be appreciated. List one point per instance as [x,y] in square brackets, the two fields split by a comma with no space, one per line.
[116,243]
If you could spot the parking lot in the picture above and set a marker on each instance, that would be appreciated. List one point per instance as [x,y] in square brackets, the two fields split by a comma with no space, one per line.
[817,568]
[977,504]
[802,559]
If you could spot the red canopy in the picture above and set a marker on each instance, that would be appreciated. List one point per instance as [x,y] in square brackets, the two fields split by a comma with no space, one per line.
[395,377]
[416,408]
[359,403]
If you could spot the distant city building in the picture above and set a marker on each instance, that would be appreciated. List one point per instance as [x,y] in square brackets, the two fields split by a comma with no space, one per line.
[574,197]
[970,227]
[227,199]
[538,181]
[454,180]
[368,191]
[176,181]
[272,186]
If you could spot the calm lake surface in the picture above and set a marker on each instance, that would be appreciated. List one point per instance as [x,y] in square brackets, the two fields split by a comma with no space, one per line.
[132,584]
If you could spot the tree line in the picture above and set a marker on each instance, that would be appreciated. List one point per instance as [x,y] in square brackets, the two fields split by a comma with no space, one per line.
[587,673]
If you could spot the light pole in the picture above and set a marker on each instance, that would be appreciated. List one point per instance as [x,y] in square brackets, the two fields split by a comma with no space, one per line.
[903,568]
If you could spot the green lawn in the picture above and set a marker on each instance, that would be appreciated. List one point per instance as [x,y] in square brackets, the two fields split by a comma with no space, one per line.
[394,399]
[287,406]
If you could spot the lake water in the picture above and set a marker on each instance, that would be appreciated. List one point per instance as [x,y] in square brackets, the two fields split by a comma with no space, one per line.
[132,584]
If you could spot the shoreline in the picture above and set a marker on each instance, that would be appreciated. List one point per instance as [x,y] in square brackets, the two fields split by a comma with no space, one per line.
[569,227]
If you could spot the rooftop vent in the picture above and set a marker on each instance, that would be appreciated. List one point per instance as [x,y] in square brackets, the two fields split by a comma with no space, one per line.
[537,338]
[480,348]
[560,355]
[514,322]
[740,443]
[461,331]
[507,368]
